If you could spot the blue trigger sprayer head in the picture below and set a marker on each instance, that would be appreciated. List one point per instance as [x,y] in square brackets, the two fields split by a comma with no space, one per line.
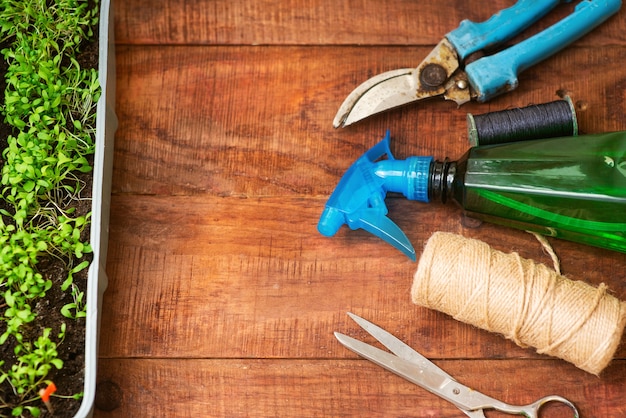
[359,199]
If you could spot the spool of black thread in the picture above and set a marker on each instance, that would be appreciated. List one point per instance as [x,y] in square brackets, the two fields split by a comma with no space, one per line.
[547,120]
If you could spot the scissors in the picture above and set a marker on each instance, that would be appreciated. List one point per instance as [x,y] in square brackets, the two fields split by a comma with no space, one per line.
[414,367]
[448,72]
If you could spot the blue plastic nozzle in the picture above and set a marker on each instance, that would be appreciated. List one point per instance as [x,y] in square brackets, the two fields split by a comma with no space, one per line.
[359,199]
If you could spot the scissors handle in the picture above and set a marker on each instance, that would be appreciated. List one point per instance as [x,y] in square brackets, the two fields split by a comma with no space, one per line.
[473,403]
[532,410]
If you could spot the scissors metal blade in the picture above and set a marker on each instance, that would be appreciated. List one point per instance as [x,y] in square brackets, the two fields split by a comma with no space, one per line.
[397,346]
[433,380]
[417,369]
[404,351]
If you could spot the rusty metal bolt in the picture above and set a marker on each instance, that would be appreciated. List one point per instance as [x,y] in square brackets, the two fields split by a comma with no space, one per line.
[433,75]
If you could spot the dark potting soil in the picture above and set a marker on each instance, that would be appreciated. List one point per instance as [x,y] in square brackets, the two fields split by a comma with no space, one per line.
[70,379]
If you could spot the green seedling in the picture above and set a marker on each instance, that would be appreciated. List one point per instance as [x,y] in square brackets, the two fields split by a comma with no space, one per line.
[50,102]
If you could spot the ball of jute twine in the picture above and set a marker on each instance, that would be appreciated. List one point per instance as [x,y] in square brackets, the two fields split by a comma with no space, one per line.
[527,302]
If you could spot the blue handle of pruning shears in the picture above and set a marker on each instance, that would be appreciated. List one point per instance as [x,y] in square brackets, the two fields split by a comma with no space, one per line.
[496,74]
[471,37]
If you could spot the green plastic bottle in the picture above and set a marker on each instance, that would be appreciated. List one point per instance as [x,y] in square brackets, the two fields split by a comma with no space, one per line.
[572,187]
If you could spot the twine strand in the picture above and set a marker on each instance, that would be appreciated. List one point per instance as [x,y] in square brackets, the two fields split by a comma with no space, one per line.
[526,302]
[548,249]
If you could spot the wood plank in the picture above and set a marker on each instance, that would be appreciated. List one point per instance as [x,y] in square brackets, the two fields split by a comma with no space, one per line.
[315,22]
[331,388]
[257,121]
[202,276]
[222,296]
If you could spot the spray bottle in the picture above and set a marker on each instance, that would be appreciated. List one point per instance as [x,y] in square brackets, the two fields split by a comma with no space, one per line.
[572,188]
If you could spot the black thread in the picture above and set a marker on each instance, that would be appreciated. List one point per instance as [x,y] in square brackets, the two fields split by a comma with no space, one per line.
[547,120]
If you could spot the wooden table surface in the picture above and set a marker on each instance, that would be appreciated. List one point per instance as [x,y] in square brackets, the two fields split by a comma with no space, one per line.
[223,297]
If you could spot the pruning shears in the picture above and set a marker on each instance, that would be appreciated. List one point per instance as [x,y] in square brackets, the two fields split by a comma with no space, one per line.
[447,72]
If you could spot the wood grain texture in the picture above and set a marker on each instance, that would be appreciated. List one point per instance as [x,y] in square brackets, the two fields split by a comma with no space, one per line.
[315,22]
[201,120]
[346,388]
[223,297]
[220,277]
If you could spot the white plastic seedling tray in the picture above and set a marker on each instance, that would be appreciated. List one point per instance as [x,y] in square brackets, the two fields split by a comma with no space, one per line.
[106,125]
